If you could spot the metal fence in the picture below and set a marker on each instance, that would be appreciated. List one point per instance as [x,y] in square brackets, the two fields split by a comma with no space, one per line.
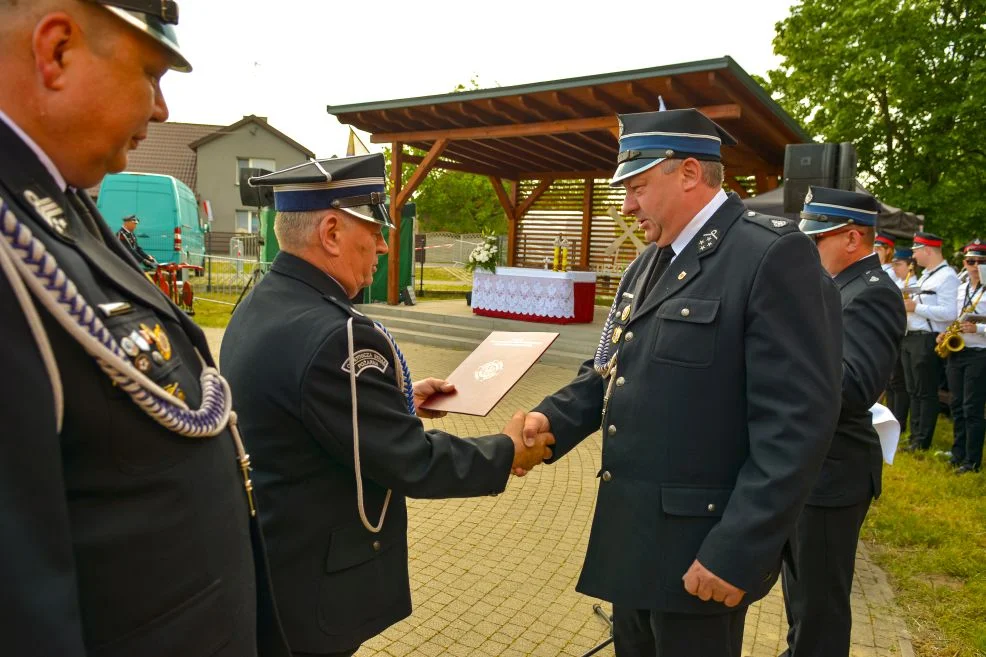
[234,245]
[226,276]
[454,248]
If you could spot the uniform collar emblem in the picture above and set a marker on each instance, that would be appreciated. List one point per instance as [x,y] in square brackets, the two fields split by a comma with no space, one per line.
[707,240]
[778,222]
[48,210]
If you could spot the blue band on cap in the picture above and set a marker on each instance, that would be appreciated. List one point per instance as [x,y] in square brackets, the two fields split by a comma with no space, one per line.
[682,144]
[317,199]
[858,216]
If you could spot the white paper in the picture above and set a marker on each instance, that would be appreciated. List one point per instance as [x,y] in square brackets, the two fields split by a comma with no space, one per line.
[888,428]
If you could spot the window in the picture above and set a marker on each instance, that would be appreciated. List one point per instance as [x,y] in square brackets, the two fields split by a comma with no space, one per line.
[253,163]
[247,221]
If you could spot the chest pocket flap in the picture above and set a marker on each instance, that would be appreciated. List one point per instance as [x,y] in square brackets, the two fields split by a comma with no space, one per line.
[695,311]
[686,334]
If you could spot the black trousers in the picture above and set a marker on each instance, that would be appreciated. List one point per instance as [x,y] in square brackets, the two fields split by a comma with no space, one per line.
[817,600]
[647,633]
[898,400]
[966,371]
[922,375]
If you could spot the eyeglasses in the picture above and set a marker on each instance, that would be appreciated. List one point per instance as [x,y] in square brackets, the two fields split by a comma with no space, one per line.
[818,237]
[975,261]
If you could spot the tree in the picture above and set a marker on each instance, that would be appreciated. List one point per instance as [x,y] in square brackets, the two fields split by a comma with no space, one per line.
[454,201]
[905,81]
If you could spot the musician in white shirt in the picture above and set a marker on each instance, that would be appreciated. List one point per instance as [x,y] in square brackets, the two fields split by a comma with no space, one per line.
[930,309]
[966,368]
[898,401]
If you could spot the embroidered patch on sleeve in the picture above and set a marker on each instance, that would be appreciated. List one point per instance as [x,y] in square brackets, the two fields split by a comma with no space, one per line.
[365,358]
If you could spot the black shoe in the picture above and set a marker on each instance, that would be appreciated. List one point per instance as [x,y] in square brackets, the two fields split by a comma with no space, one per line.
[966,467]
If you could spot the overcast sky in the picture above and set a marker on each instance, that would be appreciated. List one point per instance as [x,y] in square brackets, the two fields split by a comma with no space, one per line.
[288,59]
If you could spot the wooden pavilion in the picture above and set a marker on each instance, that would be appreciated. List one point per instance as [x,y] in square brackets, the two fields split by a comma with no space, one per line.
[548,148]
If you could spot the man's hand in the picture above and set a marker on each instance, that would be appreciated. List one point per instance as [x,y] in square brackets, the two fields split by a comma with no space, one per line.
[967,327]
[528,451]
[705,585]
[424,389]
[910,305]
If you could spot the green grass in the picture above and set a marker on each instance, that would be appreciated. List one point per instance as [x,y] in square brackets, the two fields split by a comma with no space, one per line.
[208,313]
[928,532]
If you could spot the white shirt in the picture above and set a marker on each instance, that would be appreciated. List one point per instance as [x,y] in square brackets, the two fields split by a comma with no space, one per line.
[691,229]
[45,160]
[975,340]
[936,306]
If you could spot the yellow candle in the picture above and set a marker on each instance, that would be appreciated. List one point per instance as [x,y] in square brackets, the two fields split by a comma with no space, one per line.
[554,263]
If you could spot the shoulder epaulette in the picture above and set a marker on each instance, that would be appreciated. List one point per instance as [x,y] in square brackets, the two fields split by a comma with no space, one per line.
[345,306]
[776,224]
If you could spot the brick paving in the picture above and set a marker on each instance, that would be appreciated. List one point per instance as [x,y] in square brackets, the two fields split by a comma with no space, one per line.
[496,575]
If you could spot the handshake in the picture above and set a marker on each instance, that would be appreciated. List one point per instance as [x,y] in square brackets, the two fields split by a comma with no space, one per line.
[530,432]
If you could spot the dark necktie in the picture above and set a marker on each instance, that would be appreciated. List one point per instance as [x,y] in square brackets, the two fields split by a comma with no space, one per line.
[663,260]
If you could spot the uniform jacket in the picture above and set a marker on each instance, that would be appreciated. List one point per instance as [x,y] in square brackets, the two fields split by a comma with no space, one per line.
[120,538]
[129,240]
[724,403]
[286,355]
[873,320]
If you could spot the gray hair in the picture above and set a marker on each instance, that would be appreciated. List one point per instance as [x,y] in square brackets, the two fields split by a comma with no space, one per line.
[713,173]
[295,231]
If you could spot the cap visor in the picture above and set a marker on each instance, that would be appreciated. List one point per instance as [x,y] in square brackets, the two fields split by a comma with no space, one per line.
[632,168]
[809,227]
[163,34]
[373,213]
[916,246]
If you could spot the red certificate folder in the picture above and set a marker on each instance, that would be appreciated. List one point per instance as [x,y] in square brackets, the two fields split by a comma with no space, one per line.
[489,372]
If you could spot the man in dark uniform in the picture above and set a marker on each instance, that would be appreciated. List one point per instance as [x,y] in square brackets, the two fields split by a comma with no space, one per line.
[129,240]
[124,504]
[818,581]
[716,384]
[328,411]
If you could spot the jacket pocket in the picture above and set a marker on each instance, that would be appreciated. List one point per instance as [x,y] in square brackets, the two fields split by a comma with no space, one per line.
[686,333]
[198,627]
[365,580]
[689,514]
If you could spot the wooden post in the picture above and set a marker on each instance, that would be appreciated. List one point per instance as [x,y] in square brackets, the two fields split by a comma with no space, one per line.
[586,224]
[399,196]
[394,243]
[513,186]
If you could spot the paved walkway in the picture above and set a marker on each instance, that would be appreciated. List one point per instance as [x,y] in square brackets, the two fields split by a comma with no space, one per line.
[496,575]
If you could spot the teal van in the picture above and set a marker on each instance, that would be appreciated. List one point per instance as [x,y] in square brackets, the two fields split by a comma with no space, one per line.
[170,228]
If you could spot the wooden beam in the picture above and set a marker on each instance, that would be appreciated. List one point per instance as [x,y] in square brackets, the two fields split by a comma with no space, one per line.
[533,129]
[534,196]
[512,224]
[772,182]
[394,243]
[734,184]
[615,104]
[605,174]
[765,124]
[501,195]
[650,99]
[451,165]
[586,224]
[421,171]
[761,183]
